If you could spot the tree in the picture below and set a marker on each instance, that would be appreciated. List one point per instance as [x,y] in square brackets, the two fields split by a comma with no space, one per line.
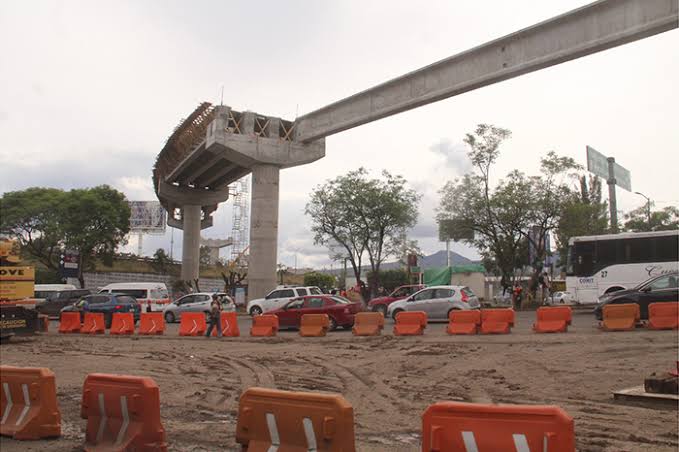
[323,281]
[391,279]
[363,216]
[46,221]
[205,258]
[583,214]
[638,220]
[162,262]
[34,217]
[95,221]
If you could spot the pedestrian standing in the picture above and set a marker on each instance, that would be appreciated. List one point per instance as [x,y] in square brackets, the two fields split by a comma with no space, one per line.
[215,316]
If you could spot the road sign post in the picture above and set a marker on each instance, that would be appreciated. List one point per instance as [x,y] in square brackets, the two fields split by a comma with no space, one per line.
[606,168]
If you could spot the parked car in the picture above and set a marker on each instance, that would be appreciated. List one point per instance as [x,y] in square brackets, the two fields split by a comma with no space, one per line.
[560,298]
[152,294]
[108,304]
[655,290]
[437,302]
[278,298]
[196,302]
[53,301]
[381,304]
[340,310]
[503,298]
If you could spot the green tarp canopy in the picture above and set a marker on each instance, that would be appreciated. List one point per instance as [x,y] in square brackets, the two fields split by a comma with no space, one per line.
[441,276]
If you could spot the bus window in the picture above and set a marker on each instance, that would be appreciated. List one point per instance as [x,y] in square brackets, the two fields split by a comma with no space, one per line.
[640,250]
[585,264]
[606,253]
[667,248]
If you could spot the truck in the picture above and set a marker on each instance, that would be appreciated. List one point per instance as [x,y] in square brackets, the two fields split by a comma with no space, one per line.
[17,305]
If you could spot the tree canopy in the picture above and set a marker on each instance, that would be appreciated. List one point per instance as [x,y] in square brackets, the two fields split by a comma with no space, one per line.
[641,219]
[359,216]
[93,221]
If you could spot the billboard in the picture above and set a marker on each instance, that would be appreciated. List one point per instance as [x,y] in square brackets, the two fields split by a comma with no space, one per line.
[147,216]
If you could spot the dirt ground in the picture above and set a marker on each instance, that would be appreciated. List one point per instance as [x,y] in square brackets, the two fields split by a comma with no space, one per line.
[388,380]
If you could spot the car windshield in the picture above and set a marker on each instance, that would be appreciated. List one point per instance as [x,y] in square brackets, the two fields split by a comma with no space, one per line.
[342,300]
[315,291]
[46,294]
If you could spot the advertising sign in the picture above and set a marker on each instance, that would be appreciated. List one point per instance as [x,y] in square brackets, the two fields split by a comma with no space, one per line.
[147,216]
[16,282]
[68,264]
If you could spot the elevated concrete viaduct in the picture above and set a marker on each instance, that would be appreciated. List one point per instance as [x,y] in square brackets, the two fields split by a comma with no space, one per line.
[216,146]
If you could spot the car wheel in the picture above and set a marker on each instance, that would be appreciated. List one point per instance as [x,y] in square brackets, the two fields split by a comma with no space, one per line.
[393,316]
[382,309]
[256,310]
[333,324]
[169,317]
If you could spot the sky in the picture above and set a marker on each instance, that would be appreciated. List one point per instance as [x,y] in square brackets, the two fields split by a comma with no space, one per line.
[90,91]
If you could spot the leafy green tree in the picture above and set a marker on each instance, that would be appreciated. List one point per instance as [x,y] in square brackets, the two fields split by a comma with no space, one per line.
[204,258]
[93,221]
[323,281]
[162,263]
[34,217]
[583,214]
[363,216]
[639,220]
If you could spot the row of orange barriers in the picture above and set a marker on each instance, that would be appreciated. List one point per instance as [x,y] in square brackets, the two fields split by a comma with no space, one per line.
[625,317]
[123,414]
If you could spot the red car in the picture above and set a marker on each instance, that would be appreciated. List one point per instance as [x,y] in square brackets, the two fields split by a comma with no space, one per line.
[340,310]
[380,304]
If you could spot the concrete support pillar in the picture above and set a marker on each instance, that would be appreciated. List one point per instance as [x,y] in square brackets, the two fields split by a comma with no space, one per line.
[191,242]
[263,230]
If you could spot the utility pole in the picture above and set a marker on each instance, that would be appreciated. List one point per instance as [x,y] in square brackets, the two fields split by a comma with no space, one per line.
[447,252]
[648,208]
[611,194]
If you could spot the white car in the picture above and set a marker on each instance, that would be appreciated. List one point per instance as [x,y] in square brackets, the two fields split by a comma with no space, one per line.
[560,298]
[437,302]
[195,302]
[278,298]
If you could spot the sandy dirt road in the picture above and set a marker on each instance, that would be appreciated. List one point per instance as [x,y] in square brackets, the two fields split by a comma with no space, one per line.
[388,380]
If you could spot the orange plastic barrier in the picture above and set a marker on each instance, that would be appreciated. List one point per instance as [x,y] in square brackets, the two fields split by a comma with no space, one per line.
[663,316]
[93,323]
[497,321]
[455,426]
[269,419]
[28,403]
[553,319]
[264,325]
[314,325]
[69,322]
[151,323]
[368,324]
[463,322]
[192,324]
[229,322]
[620,317]
[122,323]
[123,414]
[410,323]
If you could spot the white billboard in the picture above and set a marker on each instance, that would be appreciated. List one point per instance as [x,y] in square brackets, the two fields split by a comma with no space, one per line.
[147,216]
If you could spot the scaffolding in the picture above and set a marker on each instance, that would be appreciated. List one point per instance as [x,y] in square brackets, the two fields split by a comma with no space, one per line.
[240,190]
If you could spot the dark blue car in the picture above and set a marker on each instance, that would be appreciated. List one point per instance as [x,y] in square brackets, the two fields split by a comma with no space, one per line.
[108,304]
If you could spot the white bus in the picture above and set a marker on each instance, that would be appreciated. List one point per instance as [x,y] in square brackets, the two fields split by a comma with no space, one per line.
[601,264]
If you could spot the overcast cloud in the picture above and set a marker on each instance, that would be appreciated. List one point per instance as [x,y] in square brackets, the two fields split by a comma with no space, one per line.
[90,91]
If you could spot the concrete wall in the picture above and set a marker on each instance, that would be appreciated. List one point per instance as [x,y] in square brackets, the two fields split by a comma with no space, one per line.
[94,280]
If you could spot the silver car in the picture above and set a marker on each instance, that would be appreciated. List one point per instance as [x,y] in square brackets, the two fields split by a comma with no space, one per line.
[195,302]
[436,301]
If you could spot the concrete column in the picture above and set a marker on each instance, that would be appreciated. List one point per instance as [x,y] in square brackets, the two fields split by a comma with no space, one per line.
[263,230]
[191,242]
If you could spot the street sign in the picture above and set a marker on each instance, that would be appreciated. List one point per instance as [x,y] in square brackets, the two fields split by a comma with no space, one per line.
[68,264]
[597,163]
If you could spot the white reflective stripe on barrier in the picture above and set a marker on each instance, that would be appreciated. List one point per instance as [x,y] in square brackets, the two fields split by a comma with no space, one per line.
[126,420]
[520,442]
[153,322]
[226,328]
[273,432]
[310,434]
[122,328]
[8,407]
[27,406]
[195,327]
[103,420]
[469,442]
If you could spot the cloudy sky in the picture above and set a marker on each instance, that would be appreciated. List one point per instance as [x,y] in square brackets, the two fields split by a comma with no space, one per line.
[89,92]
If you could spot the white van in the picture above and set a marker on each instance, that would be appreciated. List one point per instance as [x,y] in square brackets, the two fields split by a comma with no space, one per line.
[151,294]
